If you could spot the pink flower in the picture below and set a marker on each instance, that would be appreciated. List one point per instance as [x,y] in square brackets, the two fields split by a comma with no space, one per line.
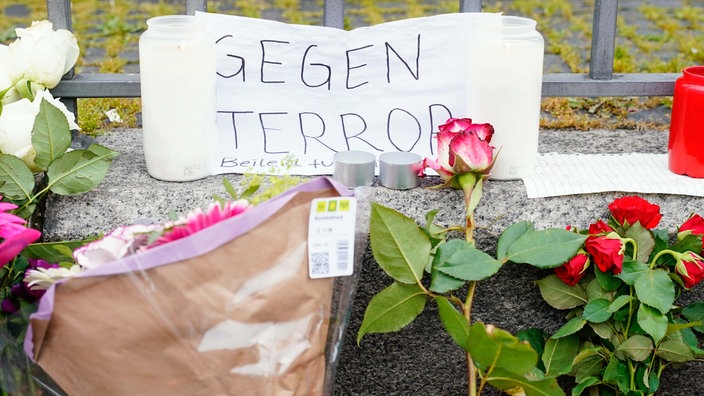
[198,220]
[14,236]
[463,147]
[119,243]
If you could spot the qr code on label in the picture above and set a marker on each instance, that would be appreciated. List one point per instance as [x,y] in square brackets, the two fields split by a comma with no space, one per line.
[320,263]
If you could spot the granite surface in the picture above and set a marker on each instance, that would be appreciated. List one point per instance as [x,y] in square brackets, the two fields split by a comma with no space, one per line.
[420,359]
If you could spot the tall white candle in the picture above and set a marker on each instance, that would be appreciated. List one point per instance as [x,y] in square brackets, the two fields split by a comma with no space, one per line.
[504,89]
[177,75]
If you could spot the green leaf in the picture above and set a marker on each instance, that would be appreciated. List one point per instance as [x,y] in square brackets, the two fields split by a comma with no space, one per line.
[461,260]
[690,243]
[584,384]
[644,240]
[597,311]
[695,313]
[536,338]
[620,302]
[653,322]
[603,330]
[399,245]
[587,363]
[607,280]
[559,355]
[545,248]
[572,326]
[504,380]
[51,136]
[655,288]
[511,235]
[632,270]
[637,347]
[454,322]
[492,347]
[53,252]
[674,351]
[442,283]
[79,171]
[392,309]
[16,179]
[560,295]
[616,373]
[594,291]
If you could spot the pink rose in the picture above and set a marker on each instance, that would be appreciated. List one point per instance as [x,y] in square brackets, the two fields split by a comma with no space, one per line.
[463,147]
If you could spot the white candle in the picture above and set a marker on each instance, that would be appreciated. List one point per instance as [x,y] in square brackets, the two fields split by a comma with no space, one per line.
[504,89]
[177,74]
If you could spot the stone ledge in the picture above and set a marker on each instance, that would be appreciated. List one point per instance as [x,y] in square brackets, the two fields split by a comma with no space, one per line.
[420,359]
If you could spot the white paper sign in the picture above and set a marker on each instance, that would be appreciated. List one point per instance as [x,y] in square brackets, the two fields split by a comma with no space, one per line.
[307,92]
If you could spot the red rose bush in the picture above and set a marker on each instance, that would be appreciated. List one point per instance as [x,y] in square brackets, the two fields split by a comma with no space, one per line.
[625,325]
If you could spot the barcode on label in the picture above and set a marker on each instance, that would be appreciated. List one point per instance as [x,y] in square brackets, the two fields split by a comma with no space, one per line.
[343,247]
[320,263]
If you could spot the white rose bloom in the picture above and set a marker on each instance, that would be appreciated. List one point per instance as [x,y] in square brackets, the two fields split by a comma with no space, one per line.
[6,77]
[17,122]
[44,55]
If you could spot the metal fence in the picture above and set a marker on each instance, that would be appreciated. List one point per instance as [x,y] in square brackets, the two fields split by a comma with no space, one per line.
[600,81]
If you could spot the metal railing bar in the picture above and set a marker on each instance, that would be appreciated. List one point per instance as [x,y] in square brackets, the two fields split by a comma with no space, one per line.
[470,5]
[554,85]
[601,66]
[334,13]
[195,5]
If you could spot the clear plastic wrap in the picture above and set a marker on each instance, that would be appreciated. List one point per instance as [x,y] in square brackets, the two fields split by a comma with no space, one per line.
[228,310]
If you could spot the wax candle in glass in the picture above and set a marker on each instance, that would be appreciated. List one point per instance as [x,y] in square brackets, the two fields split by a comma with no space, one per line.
[177,75]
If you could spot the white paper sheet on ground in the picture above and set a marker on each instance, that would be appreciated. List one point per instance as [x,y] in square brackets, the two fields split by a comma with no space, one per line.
[311,91]
[567,174]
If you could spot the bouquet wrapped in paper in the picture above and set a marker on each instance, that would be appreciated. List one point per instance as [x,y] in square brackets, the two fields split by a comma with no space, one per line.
[231,309]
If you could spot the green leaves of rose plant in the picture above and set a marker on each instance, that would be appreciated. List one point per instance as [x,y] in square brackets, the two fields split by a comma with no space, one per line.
[79,170]
[392,309]
[399,246]
[550,248]
[655,288]
[16,180]
[51,136]
[560,295]
[461,260]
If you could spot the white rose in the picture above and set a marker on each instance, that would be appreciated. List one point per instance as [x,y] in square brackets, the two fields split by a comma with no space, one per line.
[6,77]
[17,123]
[44,55]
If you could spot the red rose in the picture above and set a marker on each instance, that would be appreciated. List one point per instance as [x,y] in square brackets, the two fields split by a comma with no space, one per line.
[607,252]
[600,228]
[632,209]
[573,270]
[694,224]
[691,268]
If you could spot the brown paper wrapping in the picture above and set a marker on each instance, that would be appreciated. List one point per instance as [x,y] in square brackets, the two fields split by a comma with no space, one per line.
[139,333]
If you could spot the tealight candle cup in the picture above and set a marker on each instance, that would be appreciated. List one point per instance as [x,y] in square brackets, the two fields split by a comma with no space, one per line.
[354,168]
[399,170]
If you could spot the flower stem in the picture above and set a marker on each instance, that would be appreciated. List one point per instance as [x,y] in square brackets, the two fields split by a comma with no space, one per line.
[471,369]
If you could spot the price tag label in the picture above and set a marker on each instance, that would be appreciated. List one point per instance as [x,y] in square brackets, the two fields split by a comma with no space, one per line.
[331,237]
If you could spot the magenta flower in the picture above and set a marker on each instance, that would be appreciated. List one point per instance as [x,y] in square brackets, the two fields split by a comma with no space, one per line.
[14,236]
[198,220]
[463,147]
